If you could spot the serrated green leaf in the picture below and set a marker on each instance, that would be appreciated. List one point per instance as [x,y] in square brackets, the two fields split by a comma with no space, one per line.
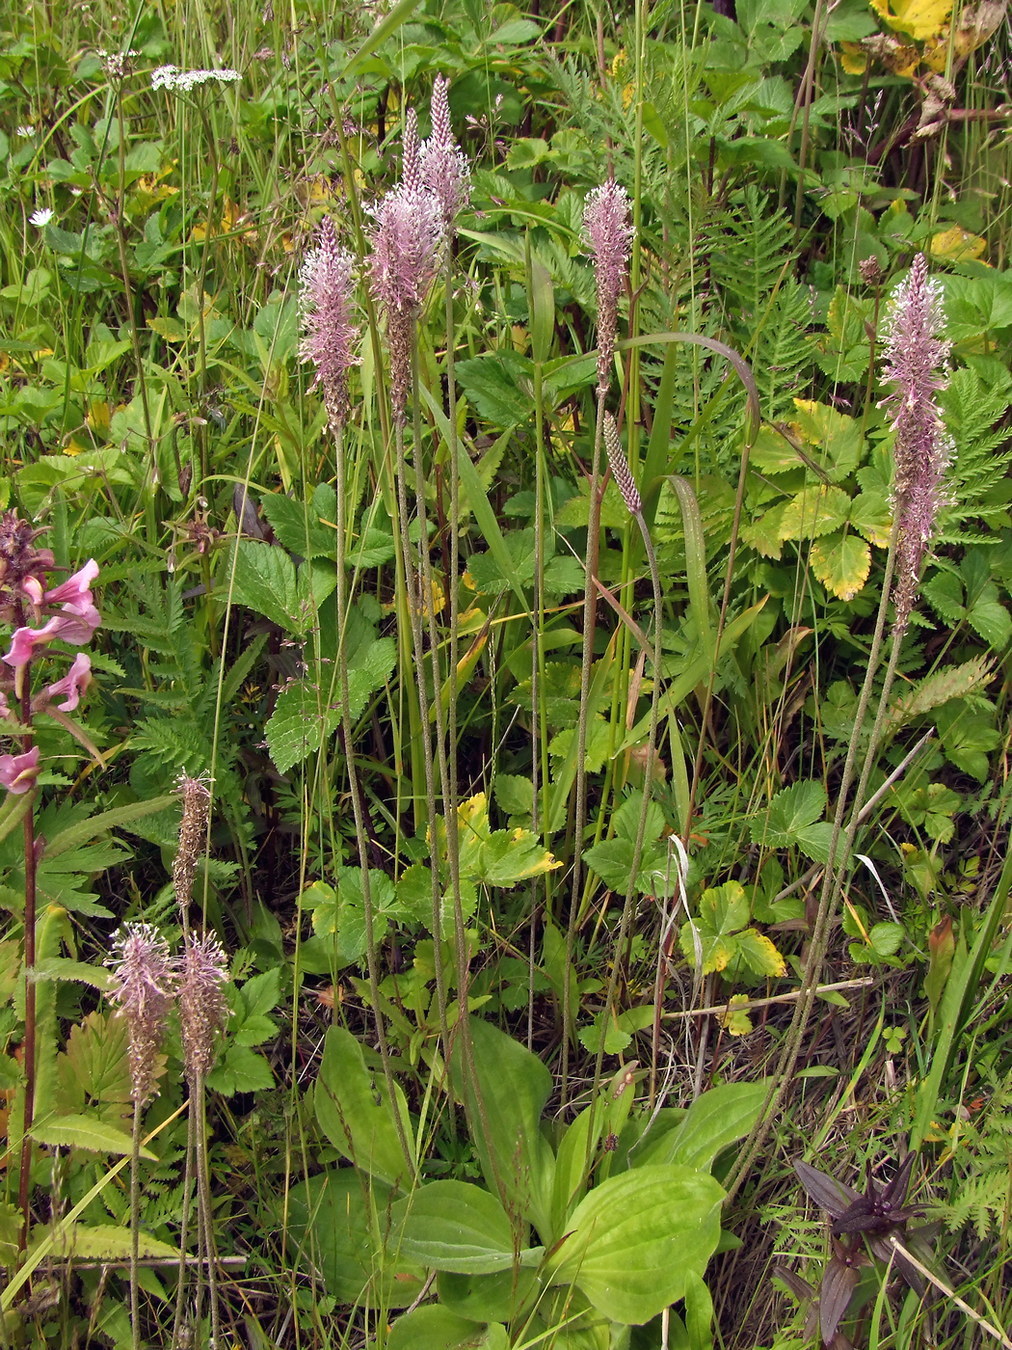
[814,511]
[102,1242]
[791,810]
[265,581]
[842,563]
[87,1132]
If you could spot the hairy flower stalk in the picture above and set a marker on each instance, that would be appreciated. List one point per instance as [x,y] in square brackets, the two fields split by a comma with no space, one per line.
[144,989]
[608,234]
[326,283]
[914,355]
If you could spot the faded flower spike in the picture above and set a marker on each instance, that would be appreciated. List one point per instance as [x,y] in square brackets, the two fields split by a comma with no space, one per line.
[619,467]
[914,356]
[144,989]
[326,285]
[196,797]
[608,234]
[444,167]
[203,1009]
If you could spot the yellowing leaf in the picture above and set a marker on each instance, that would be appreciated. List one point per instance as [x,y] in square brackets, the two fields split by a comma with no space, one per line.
[921,19]
[814,511]
[734,1019]
[837,436]
[871,516]
[760,955]
[853,58]
[842,563]
[956,245]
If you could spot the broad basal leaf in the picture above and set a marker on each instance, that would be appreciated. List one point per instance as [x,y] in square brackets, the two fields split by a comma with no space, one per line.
[453,1225]
[634,1240]
[921,19]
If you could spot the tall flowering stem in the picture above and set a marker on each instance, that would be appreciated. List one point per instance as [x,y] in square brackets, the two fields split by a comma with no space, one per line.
[608,237]
[64,612]
[144,989]
[915,352]
[406,242]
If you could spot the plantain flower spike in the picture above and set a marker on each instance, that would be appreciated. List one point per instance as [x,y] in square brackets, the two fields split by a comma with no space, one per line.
[915,355]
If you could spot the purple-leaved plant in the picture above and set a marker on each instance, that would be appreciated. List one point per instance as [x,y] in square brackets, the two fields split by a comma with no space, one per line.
[915,354]
[326,284]
[608,234]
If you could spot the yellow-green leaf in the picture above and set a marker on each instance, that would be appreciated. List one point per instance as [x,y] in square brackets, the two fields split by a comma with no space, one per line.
[836,437]
[870,515]
[734,1019]
[841,563]
[921,19]
[760,954]
[956,244]
[815,511]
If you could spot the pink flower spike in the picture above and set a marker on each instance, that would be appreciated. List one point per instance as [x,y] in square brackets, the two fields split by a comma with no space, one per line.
[73,685]
[19,772]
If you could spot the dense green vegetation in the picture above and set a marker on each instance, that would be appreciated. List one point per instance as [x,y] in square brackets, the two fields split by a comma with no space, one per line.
[505,568]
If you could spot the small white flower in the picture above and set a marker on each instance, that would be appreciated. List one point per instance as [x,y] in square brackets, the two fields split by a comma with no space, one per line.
[41,217]
[25,131]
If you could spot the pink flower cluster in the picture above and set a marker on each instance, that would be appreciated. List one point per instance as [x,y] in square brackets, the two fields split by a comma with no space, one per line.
[74,621]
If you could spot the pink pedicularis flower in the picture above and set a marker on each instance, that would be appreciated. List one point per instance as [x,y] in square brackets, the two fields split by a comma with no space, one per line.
[145,988]
[71,687]
[327,305]
[23,569]
[19,772]
[75,623]
[443,165]
[203,1009]
[915,355]
[608,234]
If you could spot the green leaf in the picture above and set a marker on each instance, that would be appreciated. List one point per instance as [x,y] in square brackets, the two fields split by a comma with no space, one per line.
[634,1240]
[723,911]
[513,1087]
[87,1132]
[341,1219]
[791,810]
[814,511]
[455,1226]
[102,1242]
[240,1070]
[500,386]
[298,528]
[436,1328]
[355,1113]
[714,1121]
[265,581]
